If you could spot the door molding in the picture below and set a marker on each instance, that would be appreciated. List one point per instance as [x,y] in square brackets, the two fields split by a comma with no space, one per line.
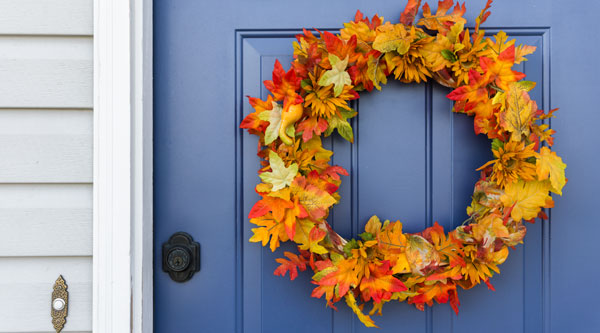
[122,211]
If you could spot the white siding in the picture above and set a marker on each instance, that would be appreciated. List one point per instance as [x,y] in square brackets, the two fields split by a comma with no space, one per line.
[46,135]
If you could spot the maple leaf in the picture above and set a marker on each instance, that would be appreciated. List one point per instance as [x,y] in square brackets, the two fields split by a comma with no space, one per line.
[333,172]
[526,198]
[500,70]
[473,97]
[277,204]
[284,86]
[362,28]
[550,166]
[292,265]
[315,200]
[441,292]
[311,126]
[519,112]
[269,231]
[337,75]
[259,209]
[339,47]
[410,12]
[308,235]
[378,282]
[447,246]
[502,43]
[280,176]
[343,277]
[252,122]
[442,21]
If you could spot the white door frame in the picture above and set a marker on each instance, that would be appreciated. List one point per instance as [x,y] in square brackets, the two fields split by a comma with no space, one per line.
[122,262]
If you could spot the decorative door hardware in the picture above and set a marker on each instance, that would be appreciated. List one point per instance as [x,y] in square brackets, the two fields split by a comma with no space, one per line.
[181,257]
[60,304]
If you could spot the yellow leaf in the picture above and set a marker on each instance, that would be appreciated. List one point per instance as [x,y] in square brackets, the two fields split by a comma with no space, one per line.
[302,237]
[392,37]
[526,198]
[373,226]
[550,165]
[351,301]
[402,265]
[519,112]
[269,231]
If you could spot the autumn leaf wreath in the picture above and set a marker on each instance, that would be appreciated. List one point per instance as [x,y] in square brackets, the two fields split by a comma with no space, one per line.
[299,186]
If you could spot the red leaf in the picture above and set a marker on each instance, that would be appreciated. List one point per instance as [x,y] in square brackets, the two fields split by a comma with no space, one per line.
[293,265]
[334,173]
[410,11]
[259,209]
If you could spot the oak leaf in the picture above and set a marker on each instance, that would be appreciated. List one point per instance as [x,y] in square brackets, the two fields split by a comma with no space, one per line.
[269,231]
[443,20]
[292,265]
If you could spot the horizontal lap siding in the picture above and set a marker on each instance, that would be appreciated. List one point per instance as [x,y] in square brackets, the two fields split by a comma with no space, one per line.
[46,135]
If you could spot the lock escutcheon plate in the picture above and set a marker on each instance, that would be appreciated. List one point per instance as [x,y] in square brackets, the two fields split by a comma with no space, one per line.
[181,257]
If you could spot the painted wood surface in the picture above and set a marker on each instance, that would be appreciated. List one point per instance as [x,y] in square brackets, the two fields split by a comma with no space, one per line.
[48,72]
[413,160]
[46,17]
[51,219]
[45,146]
[24,280]
[45,161]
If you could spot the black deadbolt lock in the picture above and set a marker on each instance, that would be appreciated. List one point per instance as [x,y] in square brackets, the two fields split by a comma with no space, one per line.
[181,257]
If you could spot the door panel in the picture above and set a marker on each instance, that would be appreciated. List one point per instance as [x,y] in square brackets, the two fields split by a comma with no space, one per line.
[412,160]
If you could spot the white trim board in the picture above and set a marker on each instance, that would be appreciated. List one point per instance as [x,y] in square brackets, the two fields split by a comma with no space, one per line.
[122,211]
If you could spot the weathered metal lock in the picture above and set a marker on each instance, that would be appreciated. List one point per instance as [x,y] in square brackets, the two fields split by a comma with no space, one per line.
[181,257]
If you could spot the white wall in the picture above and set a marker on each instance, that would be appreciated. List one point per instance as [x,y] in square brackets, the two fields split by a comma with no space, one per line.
[45,161]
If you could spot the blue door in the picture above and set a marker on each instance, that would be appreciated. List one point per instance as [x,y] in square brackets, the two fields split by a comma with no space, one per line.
[210,55]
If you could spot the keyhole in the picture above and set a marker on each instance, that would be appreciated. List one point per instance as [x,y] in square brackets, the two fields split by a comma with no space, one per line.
[178,259]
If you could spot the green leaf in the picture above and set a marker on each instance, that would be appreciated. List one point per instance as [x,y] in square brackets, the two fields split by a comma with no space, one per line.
[281,176]
[305,82]
[290,130]
[342,125]
[367,236]
[337,75]
[449,55]
[497,144]
[273,116]
[348,247]
[526,85]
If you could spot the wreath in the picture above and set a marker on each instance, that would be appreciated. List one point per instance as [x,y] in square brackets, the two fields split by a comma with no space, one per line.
[299,186]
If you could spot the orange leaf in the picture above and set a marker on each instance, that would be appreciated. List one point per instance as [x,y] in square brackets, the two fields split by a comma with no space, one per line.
[442,21]
[293,265]
[410,11]
[284,85]
[379,284]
